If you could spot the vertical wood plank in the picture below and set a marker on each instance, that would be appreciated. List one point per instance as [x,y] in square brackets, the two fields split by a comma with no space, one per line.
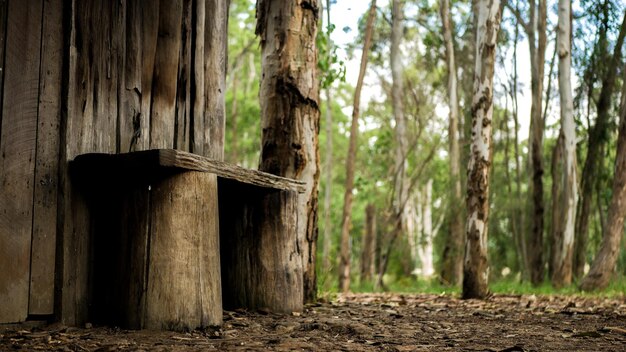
[197,83]
[90,126]
[3,34]
[149,37]
[183,82]
[215,46]
[131,118]
[41,300]
[17,155]
[162,112]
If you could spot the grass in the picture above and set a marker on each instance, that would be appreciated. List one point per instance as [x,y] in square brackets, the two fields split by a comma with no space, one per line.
[617,288]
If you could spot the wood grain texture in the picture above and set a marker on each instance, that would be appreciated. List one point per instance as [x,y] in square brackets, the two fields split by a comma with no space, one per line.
[163,108]
[261,266]
[41,300]
[17,155]
[183,288]
[215,45]
[3,35]
[139,164]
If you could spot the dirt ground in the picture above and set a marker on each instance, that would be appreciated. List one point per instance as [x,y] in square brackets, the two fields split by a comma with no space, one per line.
[372,322]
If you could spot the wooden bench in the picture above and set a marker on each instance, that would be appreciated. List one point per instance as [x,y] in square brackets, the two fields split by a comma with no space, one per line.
[176,237]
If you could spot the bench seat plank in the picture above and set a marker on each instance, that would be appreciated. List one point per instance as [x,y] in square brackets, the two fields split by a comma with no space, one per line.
[138,165]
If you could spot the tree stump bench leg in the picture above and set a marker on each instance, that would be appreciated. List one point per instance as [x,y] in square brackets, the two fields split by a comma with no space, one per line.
[156,250]
[261,265]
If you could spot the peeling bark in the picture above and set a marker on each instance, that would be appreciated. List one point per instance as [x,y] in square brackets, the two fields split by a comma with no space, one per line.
[289,97]
[476,266]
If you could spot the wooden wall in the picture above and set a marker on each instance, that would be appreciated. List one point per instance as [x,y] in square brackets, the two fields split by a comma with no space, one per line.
[86,76]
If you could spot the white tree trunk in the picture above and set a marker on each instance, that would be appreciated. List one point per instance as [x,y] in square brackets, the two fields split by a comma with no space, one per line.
[476,267]
[401,186]
[562,271]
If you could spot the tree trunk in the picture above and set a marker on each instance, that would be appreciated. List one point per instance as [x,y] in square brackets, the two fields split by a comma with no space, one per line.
[518,168]
[597,141]
[452,261]
[329,159]
[564,241]
[368,256]
[537,54]
[289,96]
[476,267]
[344,263]
[604,263]
[426,238]
[400,162]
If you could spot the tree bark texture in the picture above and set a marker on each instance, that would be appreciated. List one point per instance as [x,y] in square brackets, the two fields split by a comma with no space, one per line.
[537,39]
[452,261]
[401,191]
[346,218]
[603,265]
[564,239]
[289,97]
[329,160]
[597,142]
[368,255]
[476,266]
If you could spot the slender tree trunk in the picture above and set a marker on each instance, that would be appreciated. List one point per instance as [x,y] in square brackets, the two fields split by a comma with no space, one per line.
[400,163]
[368,256]
[564,242]
[518,168]
[289,98]
[556,238]
[452,261]
[537,52]
[344,262]
[329,159]
[597,140]
[476,266]
[427,234]
[603,265]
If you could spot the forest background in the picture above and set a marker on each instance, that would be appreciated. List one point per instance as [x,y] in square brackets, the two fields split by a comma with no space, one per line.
[407,168]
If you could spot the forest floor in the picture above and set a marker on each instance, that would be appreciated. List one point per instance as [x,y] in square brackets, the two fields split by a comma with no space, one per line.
[372,322]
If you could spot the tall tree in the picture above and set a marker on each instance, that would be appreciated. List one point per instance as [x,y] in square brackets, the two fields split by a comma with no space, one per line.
[290,113]
[476,267]
[564,241]
[603,265]
[597,140]
[329,154]
[344,260]
[368,255]
[452,261]
[535,29]
[401,146]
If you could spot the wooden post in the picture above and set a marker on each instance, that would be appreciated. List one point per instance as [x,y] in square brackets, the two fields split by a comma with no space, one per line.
[261,266]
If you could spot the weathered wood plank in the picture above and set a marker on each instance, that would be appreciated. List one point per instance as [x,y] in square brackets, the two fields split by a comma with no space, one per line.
[197,83]
[215,46]
[17,155]
[41,299]
[183,83]
[140,164]
[163,109]
[183,288]
[90,126]
[3,34]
